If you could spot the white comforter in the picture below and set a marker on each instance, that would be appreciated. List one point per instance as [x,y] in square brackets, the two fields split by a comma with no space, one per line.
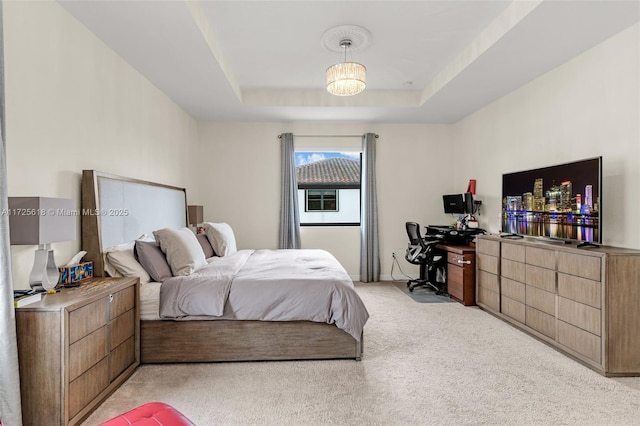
[268,285]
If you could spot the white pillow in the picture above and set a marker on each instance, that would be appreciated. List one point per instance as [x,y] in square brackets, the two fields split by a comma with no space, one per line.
[221,237]
[183,251]
[120,262]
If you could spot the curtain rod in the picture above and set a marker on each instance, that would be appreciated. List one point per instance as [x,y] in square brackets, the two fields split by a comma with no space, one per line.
[326,136]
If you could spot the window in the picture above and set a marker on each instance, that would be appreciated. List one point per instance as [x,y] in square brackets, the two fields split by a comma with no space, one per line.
[324,200]
[328,187]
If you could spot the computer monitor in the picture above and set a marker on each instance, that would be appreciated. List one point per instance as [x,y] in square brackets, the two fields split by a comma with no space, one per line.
[468,203]
[453,204]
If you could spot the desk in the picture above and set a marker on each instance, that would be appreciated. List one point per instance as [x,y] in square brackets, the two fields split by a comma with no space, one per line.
[461,272]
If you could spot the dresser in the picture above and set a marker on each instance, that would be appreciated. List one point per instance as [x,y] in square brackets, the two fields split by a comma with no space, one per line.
[75,348]
[582,301]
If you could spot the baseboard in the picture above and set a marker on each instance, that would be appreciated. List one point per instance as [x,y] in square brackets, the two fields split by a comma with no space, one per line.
[387,278]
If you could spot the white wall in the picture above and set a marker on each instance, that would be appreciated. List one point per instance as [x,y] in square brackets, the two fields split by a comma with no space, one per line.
[73,104]
[241,172]
[587,107]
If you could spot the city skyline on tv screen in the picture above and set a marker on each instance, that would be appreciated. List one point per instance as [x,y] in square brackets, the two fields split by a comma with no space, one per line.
[580,173]
[561,201]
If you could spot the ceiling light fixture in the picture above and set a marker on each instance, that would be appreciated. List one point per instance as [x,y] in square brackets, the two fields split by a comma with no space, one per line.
[346,78]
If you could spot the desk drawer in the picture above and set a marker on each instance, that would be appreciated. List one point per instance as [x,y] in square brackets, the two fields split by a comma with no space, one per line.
[461,260]
[455,282]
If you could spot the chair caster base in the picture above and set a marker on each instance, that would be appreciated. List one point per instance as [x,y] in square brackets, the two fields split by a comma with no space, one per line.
[412,284]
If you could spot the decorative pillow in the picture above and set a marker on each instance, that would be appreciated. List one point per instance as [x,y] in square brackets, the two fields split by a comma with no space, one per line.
[221,237]
[121,259]
[206,245]
[183,251]
[152,260]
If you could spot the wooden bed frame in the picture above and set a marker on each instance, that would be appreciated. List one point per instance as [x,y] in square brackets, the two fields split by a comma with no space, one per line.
[150,206]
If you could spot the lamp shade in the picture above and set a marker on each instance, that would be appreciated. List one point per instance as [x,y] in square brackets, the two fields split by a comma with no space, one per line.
[346,79]
[41,220]
[196,214]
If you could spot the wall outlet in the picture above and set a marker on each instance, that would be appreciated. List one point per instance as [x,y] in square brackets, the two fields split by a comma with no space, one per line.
[398,253]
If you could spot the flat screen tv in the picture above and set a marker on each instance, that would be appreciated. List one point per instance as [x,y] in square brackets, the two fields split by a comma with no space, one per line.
[561,202]
[453,204]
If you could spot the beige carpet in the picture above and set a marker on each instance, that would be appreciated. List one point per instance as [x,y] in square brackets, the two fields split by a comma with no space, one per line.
[424,363]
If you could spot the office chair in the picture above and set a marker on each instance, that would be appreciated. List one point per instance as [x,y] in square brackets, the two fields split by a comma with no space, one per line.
[422,251]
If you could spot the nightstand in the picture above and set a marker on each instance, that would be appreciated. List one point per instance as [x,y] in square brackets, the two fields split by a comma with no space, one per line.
[75,348]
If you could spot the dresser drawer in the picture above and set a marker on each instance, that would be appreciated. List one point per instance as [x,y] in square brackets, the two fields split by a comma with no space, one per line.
[513,252]
[488,281]
[121,328]
[541,322]
[582,316]
[489,298]
[581,290]
[88,386]
[513,289]
[581,341]
[122,357]
[87,319]
[580,265]
[491,248]
[513,309]
[513,270]
[123,301]
[542,278]
[488,263]
[544,258]
[86,352]
[541,300]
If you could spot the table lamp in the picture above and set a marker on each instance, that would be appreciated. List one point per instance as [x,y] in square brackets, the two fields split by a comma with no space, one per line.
[42,221]
[196,216]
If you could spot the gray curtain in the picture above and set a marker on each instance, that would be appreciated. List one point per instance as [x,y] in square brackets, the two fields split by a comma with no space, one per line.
[10,412]
[289,215]
[369,252]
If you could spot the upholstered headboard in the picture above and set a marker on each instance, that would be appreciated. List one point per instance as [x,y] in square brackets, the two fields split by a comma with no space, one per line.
[117,210]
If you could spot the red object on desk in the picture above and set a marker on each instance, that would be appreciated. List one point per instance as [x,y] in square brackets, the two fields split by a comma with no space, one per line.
[472,186]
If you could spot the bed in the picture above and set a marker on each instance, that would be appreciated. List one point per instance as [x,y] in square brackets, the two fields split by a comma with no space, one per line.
[118,210]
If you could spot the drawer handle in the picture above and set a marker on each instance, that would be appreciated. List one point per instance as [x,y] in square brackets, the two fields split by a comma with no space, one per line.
[110,298]
[468,262]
